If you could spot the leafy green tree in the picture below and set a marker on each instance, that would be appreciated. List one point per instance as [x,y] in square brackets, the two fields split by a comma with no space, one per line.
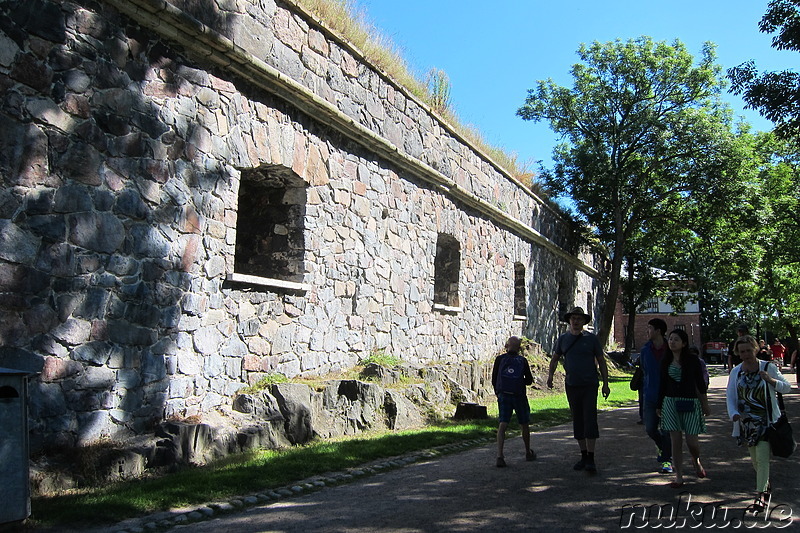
[778,290]
[645,130]
[743,252]
[716,242]
[655,262]
[776,95]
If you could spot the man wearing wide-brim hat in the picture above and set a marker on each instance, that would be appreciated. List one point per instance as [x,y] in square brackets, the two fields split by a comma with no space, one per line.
[577,311]
[583,357]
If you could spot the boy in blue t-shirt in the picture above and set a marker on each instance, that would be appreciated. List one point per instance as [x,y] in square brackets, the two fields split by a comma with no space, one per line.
[510,375]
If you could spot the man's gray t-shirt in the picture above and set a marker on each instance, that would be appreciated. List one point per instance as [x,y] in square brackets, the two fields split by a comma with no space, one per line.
[580,360]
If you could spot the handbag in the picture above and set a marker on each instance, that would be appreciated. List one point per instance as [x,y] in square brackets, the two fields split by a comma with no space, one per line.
[781,440]
[779,435]
[637,380]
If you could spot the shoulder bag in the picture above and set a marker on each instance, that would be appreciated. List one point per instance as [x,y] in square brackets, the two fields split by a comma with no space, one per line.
[779,435]
[572,344]
[638,378]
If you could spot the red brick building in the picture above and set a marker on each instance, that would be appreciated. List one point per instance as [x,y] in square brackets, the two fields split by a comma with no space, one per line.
[687,320]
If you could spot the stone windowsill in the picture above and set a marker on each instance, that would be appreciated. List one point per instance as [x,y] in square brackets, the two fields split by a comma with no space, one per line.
[447,308]
[520,317]
[268,282]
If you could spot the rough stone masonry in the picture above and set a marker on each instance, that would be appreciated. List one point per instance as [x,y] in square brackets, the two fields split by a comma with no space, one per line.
[198,193]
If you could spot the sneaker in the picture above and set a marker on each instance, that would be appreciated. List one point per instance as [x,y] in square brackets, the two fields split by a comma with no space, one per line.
[590,466]
[666,467]
[530,455]
[501,462]
[580,465]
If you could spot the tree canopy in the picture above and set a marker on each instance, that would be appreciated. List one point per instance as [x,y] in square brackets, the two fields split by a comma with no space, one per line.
[773,291]
[646,134]
[741,251]
[773,295]
[776,95]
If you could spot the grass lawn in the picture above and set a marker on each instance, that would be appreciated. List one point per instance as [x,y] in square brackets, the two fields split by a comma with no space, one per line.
[269,469]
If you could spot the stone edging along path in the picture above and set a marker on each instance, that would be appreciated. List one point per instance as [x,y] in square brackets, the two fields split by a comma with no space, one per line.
[467,493]
[179,517]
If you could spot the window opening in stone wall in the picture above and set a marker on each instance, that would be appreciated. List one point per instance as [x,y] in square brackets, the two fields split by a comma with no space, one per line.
[520,298]
[446,270]
[589,302]
[270,227]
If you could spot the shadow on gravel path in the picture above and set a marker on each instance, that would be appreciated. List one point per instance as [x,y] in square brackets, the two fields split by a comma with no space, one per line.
[465,492]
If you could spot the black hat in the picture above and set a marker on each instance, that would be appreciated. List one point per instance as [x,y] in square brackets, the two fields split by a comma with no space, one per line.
[577,311]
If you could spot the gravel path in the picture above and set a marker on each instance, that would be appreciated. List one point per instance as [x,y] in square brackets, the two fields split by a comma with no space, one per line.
[465,492]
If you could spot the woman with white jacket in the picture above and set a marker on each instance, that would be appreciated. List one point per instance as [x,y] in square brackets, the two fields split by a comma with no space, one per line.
[753,407]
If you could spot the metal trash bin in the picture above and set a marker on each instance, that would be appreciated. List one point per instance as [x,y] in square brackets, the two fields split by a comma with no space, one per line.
[15,490]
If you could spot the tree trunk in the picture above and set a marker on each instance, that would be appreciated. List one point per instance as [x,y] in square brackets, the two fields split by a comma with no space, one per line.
[611,299]
[617,256]
[630,338]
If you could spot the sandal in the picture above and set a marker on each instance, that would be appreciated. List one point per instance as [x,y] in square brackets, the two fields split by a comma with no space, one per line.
[760,505]
[699,470]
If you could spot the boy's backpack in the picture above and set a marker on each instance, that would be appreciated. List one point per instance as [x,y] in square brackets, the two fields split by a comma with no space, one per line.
[511,378]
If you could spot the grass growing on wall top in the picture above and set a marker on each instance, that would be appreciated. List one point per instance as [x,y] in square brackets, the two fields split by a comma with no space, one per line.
[352,23]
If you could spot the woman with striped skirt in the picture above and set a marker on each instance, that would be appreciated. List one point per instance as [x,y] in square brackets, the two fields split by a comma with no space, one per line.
[683,402]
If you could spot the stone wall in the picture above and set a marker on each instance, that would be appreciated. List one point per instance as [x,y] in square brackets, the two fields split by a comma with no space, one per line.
[198,193]
[277,416]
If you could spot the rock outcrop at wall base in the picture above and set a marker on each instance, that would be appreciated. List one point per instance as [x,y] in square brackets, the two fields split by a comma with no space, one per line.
[283,415]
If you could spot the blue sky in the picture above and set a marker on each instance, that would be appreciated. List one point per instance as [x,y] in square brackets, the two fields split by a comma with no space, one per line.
[493,52]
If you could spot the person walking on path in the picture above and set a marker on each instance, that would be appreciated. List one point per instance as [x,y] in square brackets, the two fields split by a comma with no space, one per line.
[652,355]
[682,402]
[511,375]
[763,353]
[450,494]
[778,351]
[583,356]
[752,407]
